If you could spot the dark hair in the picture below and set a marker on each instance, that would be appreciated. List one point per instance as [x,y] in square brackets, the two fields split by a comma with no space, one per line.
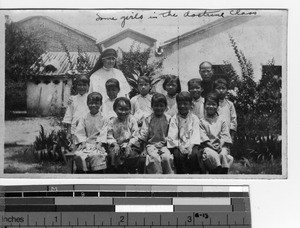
[81,78]
[184,96]
[145,79]
[117,101]
[220,81]
[170,78]
[158,98]
[204,63]
[112,82]
[99,63]
[212,96]
[94,96]
[194,81]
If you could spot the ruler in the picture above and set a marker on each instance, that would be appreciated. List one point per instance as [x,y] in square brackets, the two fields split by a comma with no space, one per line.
[149,206]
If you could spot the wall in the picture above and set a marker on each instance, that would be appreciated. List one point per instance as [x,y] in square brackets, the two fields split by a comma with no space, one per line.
[47,99]
[260,39]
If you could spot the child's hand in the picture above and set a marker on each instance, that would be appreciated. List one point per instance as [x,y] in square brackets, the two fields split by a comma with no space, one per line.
[217,148]
[98,145]
[70,100]
[82,146]
[116,149]
[128,151]
[183,150]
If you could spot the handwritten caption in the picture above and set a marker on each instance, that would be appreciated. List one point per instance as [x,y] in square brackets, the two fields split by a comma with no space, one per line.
[133,16]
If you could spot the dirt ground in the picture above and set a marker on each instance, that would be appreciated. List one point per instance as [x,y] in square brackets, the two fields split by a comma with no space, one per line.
[22,131]
[20,134]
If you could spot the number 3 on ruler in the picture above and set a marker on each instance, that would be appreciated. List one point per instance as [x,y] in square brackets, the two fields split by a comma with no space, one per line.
[189,219]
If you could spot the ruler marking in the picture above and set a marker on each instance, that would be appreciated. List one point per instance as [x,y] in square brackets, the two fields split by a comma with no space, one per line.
[144,221]
[94,218]
[110,221]
[160,219]
[44,221]
[27,220]
[61,218]
[77,221]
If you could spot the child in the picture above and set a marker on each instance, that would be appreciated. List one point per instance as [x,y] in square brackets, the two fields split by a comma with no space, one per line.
[172,86]
[154,132]
[91,132]
[215,137]
[184,135]
[77,108]
[122,131]
[195,89]
[226,108]
[112,89]
[141,103]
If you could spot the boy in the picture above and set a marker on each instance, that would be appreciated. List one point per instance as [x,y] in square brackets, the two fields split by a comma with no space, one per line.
[112,89]
[226,108]
[77,108]
[206,72]
[195,89]
[91,133]
[141,103]
[154,133]
[184,135]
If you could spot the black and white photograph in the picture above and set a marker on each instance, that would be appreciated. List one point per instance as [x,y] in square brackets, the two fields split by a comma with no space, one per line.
[160,93]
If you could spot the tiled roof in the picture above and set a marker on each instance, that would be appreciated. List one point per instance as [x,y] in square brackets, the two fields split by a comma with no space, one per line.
[58,63]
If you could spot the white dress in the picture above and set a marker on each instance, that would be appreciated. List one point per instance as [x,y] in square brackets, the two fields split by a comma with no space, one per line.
[99,78]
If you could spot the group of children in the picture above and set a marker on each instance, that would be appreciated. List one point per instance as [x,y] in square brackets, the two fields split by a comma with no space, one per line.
[182,132]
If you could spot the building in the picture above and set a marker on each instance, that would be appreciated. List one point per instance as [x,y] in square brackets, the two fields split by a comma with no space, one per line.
[125,39]
[261,38]
[49,89]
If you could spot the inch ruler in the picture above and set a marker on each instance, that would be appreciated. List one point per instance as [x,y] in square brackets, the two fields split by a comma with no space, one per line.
[115,206]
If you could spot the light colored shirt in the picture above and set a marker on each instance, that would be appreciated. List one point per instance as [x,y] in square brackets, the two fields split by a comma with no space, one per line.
[214,130]
[184,131]
[107,108]
[99,78]
[227,111]
[154,130]
[198,108]
[76,110]
[141,106]
[122,132]
[92,129]
[172,106]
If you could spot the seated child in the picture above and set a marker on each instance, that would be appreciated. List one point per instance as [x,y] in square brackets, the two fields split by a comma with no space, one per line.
[141,103]
[172,86]
[184,135]
[112,89]
[91,133]
[195,89]
[77,108]
[226,108]
[121,135]
[215,137]
[154,132]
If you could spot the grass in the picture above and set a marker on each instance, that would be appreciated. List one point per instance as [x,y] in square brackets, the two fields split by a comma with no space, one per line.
[251,167]
[21,159]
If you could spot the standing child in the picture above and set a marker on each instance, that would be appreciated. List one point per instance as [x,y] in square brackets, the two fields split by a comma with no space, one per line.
[112,89]
[154,132]
[195,89]
[184,135]
[215,137]
[226,108]
[77,108]
[172,86]
[141,103]
[122,133]
[91,133]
